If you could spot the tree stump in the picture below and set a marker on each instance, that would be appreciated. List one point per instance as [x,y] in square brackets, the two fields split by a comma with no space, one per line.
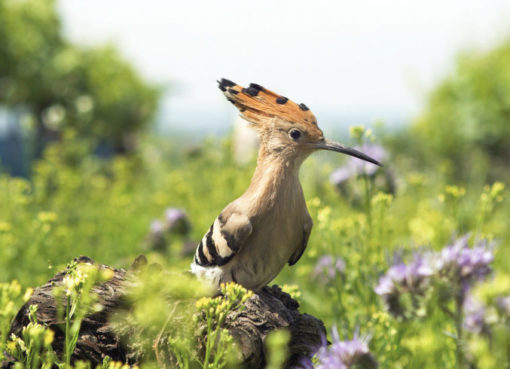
[267,310]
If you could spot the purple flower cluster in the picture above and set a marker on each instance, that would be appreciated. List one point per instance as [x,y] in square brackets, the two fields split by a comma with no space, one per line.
[177,221]
[157,228]
[458,264]
[474,316]
[402,278]
[503,304]
[355,167]
[328,268]
[345,354]
[156,237]
[412,277]
[465,264]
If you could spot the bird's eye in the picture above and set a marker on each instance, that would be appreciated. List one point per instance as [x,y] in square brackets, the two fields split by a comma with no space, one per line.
[295,134]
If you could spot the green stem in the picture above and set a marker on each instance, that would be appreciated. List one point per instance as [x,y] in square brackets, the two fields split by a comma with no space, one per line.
[339,306]
[29,356]
[507,346]
[459,303]
[368,205]
[208,342]
[366,242]
[68,333]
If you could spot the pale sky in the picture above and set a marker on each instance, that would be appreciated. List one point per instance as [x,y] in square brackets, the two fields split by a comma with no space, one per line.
[347,60]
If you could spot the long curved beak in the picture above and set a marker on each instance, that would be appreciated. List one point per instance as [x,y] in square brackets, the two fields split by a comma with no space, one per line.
[333,146]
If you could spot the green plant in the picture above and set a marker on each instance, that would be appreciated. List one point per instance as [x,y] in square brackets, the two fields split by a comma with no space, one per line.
[219,345]
[33,349]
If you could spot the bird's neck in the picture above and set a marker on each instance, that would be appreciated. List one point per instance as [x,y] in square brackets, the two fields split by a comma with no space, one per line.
[276,177]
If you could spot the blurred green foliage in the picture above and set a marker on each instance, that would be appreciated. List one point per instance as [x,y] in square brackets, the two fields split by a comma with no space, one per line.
[467,118]
[103,209]
[92,90]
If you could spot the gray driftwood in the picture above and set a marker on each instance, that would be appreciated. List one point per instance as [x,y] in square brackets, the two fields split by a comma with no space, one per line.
[265,311]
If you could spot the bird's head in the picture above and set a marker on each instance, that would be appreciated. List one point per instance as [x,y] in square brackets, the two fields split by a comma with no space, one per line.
[284,127]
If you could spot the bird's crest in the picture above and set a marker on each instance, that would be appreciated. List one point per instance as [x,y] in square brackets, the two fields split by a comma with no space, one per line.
[259,105]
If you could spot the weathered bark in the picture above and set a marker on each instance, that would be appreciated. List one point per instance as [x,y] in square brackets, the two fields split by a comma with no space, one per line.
[265,311]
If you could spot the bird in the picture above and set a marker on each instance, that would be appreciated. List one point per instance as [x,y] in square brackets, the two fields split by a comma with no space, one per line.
[269,225]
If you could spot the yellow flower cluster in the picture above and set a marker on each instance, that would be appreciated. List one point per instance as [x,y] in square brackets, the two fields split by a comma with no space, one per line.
[323,217]
[28,294]
[356,132]
[5,227]
[33,332]
[382,199]
[75,279]
[16,343]
[416,179]
[494,288]
[9,293]
[120,365]
[235,292]
[47,217]
[359,132]
[80,273]
[452,192]
[495,192]
[234,296]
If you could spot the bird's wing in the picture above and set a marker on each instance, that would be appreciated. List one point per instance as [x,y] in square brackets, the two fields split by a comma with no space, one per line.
[225,238]
[307,229]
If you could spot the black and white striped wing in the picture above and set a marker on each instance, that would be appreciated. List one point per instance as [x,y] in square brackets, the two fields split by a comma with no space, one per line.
[225,238]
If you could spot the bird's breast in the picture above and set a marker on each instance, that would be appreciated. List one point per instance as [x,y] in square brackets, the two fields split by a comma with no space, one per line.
[276,236]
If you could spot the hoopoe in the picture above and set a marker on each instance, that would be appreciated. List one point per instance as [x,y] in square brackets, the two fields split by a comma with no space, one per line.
[269,225]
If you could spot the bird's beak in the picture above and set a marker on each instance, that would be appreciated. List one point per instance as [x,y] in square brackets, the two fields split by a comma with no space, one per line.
[333,146]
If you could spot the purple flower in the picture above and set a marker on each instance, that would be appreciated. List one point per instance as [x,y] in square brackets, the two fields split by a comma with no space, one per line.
[464,264]
[401,278]
[457,264]
[156,228]
[177,221]
[304,363]
[327,268]
[363,167]
[340,265]
[409,277]
[356,167]
[340,176]
[156,237]
[345,354]
[504,304]
[474,316]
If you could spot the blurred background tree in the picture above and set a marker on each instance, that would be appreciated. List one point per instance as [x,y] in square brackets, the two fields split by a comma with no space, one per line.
[467,118]
[60,86]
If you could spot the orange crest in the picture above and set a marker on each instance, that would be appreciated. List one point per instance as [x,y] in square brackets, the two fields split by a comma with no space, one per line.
[259,105]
